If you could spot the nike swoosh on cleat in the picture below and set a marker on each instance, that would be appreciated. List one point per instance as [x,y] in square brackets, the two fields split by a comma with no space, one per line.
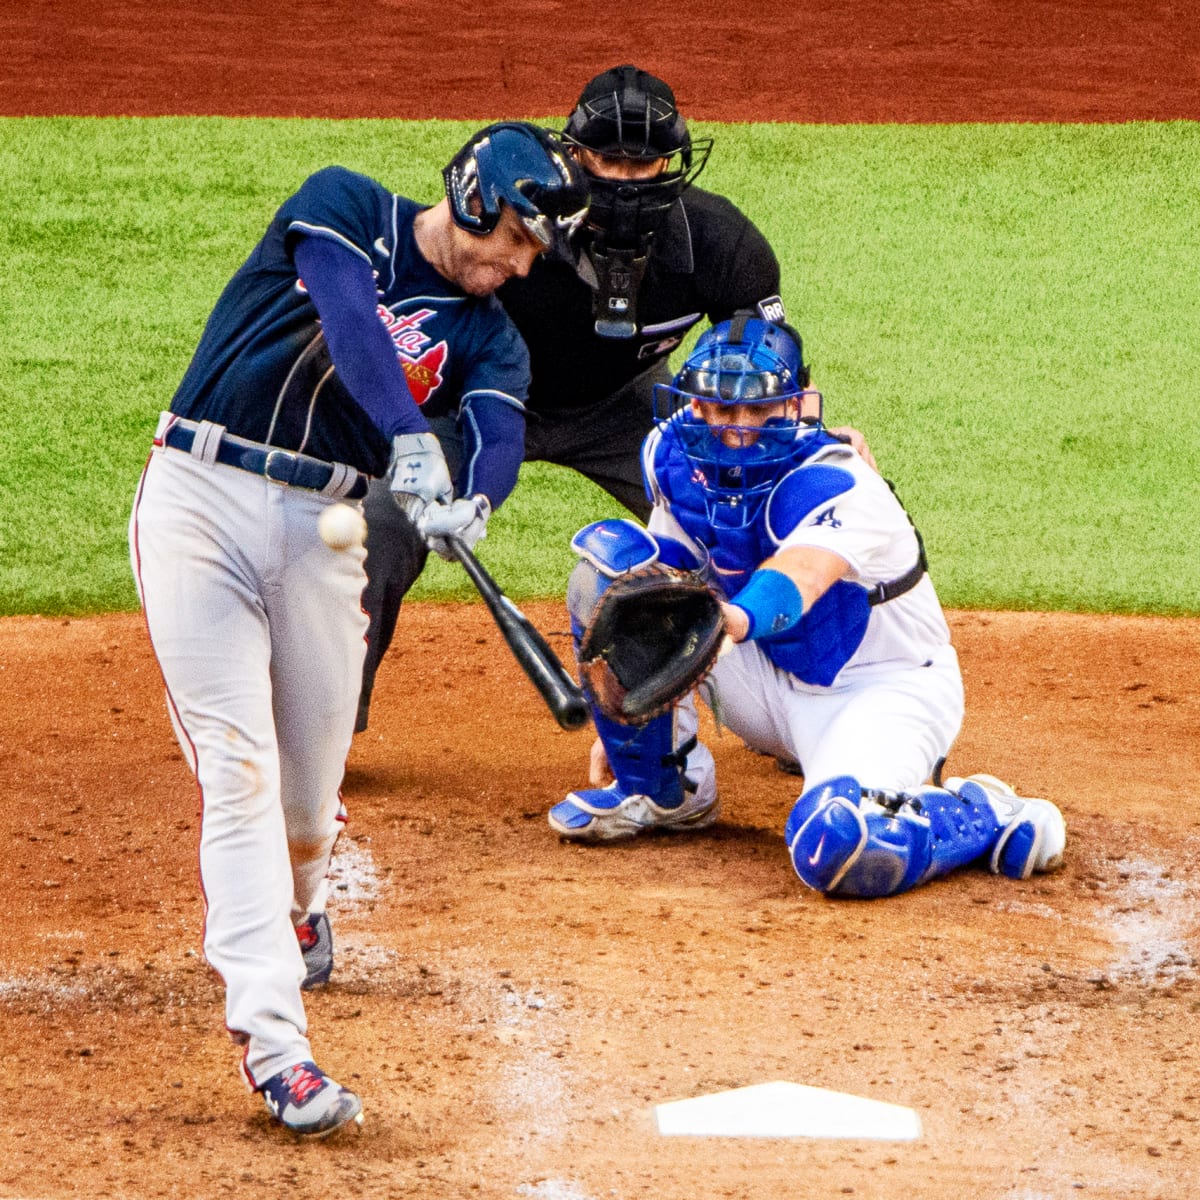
[814,857]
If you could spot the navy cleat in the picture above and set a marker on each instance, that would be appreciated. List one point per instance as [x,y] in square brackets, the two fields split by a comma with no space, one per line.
[610,813]
[316,944]
[305,1100]
[1033,834]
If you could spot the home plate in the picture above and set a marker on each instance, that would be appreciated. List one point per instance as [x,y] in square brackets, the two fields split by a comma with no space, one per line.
[788,1110]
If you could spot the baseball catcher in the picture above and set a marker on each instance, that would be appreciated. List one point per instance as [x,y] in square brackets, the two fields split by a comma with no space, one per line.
[839,657]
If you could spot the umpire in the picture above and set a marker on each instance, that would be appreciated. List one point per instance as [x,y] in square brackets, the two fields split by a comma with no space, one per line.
[656,257]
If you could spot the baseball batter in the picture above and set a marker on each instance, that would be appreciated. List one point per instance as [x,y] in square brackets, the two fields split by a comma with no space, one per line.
[840,656]
[358,316]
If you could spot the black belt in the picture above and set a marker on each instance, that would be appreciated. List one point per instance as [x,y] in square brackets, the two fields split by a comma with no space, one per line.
[280,466]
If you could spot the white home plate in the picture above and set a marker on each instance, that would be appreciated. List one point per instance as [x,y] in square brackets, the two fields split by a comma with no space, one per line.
[787,1110]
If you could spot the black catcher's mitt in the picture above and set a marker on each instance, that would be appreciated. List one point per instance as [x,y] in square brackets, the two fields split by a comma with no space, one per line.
[653,636]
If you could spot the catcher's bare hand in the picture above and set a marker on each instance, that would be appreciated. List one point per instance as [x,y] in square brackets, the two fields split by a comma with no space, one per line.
[737,623]
[857,442]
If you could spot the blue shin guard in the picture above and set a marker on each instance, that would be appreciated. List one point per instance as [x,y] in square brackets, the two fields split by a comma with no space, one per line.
[650,788]
[845,842]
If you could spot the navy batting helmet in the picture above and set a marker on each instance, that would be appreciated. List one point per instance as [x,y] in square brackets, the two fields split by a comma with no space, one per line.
[525,167]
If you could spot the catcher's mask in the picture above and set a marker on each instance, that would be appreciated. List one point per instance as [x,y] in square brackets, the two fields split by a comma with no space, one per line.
[528,169]
[741,362]
[626,113]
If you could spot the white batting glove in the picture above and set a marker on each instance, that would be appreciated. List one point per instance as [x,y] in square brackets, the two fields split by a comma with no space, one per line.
[418,476]
[467,518]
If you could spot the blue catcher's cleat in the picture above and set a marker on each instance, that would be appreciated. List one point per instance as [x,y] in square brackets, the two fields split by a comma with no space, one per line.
[316,944]
[610,813]
[1033,834]
[305,1100]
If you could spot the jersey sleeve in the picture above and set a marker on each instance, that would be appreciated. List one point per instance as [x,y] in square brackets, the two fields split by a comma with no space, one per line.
[840,504]
[491,416]
[337,204]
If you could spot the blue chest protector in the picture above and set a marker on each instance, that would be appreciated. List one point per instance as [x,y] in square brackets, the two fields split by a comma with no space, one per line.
[830,632]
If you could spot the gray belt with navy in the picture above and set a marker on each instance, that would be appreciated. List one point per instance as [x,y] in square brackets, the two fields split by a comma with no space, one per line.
[209,442]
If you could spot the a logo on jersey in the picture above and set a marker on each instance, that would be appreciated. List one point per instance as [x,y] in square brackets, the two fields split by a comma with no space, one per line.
[771,309]
[424,374]
[422,362]
[827,518]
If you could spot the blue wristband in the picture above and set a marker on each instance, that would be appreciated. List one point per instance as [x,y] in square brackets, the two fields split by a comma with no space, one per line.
[772,602]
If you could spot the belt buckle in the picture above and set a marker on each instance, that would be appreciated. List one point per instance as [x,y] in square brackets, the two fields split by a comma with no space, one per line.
[285,456]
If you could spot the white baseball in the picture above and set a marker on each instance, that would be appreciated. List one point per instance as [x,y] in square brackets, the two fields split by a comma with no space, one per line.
[341,526]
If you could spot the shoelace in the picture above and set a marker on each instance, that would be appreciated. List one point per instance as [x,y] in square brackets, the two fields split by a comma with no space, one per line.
[301,1083]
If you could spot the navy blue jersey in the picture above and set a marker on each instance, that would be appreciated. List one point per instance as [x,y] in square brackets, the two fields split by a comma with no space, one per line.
[263,369]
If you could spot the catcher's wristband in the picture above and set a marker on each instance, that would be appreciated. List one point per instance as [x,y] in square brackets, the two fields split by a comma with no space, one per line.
[771,602]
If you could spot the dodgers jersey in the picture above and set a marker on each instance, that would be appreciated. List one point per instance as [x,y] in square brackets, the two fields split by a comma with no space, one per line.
[263,369]
[830,499]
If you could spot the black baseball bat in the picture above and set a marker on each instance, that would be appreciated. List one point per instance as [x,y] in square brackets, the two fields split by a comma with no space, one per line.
[563,696]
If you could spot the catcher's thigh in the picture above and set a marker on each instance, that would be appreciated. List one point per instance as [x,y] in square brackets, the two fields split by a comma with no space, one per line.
[886,729]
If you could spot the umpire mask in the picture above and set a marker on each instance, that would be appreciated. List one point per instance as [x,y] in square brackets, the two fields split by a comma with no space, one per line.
[629,116]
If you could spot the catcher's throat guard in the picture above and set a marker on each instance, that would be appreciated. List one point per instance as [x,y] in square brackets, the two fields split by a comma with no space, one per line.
[648,627]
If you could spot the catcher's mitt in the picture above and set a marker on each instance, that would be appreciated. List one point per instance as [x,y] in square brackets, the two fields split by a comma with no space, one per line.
[653,636]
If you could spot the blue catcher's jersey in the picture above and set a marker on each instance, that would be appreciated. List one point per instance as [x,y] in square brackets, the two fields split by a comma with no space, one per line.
[263,370]
[829,498]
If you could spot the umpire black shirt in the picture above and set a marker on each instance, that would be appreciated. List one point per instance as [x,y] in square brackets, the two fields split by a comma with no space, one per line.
[708,260]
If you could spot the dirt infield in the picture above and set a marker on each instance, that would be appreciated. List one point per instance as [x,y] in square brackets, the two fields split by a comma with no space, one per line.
[512,1008]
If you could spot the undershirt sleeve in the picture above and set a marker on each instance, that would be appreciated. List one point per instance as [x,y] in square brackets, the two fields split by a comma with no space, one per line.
[341,286]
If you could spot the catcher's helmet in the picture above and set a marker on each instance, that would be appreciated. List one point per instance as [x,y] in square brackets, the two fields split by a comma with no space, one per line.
[628,113]
[525,167]
[744,361]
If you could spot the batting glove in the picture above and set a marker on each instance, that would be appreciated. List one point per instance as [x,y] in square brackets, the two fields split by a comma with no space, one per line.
[419,476]
[466,518]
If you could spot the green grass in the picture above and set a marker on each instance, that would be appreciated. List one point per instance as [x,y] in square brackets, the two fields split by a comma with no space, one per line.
[1008,312]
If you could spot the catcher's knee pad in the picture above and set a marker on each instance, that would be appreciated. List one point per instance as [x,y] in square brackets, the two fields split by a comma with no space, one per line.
[847,842]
